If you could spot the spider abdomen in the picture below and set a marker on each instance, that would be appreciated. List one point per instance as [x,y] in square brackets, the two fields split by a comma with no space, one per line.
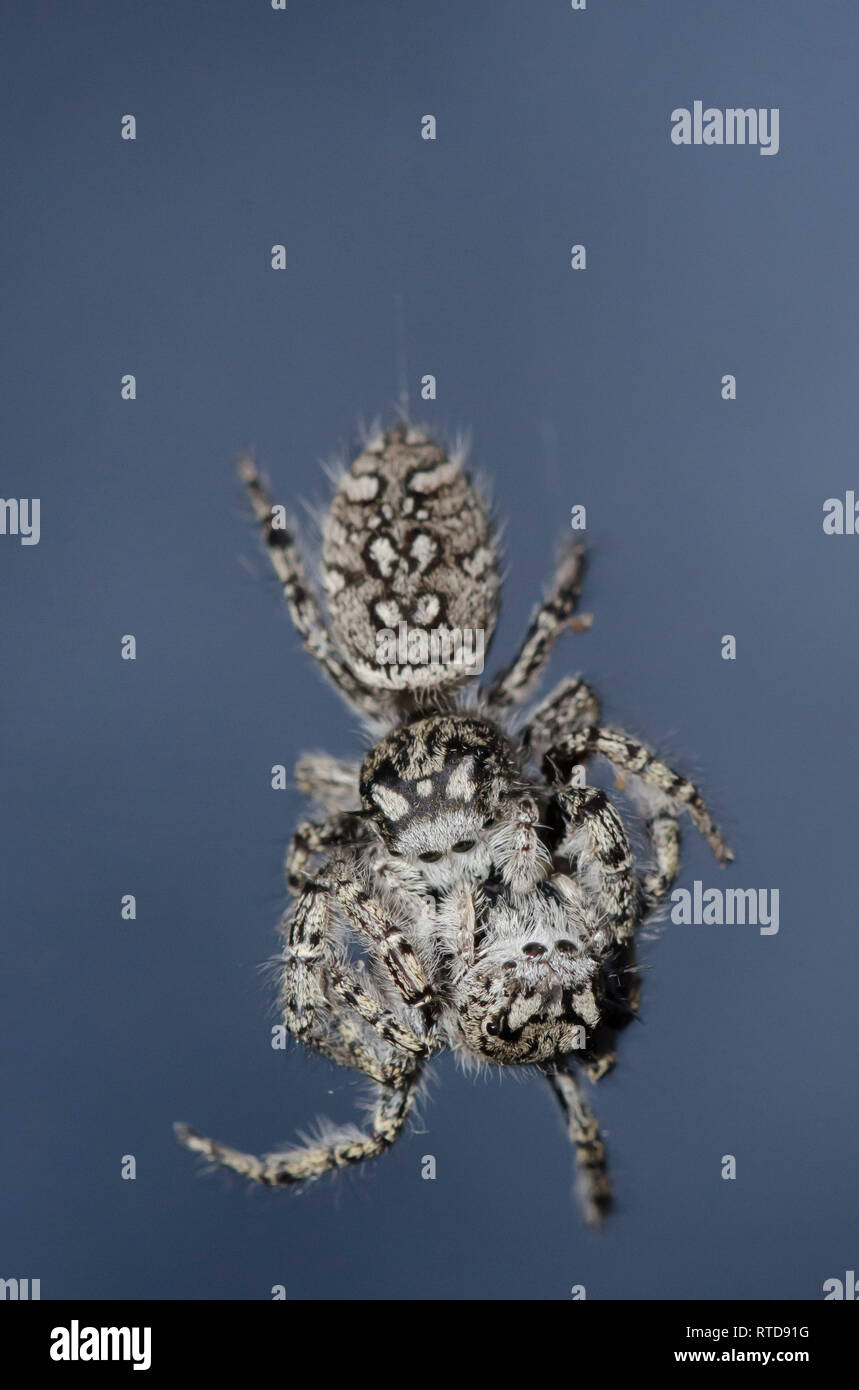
[410,560]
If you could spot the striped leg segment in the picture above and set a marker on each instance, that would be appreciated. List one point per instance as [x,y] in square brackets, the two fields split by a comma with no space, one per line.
[301,601]
[344,1148]
[571,705]
[513,685]
[607,846]
[592,1180]
[629,756]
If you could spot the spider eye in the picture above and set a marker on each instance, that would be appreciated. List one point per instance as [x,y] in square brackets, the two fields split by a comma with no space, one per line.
[565,946]
[493,1029]
[430,857]
[462,846]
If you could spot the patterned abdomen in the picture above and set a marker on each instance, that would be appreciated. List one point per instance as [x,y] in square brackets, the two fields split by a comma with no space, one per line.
[410,565]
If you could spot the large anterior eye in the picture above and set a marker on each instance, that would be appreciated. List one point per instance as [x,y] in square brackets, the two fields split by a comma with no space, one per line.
[431,857]
[462,846]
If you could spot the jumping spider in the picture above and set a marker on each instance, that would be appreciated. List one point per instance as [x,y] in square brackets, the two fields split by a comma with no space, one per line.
[464,889]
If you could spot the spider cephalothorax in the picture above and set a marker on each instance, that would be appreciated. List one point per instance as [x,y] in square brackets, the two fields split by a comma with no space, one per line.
[462,889]
[527,995]
[437,789]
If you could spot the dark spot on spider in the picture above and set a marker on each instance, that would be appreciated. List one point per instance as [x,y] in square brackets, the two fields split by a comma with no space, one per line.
[431,857]
[509,965]
[276,538]
[488,824]
[462,846]
[564,945]
[533,949]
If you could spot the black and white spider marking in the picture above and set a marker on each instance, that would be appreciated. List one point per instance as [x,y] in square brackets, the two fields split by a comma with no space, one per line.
[460,889]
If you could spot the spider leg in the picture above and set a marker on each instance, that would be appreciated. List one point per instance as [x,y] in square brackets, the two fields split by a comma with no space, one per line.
[301,601]
[574,705]
[512,685]
[663,835]
[625,753]
[341,1150]
[314,968]
[351,1043]
[571,705]
[593,1184]
[588,813]
[330,782]
[516,846]
[314,838]
[381,925]
[660,815]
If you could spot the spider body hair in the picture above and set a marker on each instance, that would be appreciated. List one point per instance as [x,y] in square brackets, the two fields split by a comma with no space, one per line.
[465,890]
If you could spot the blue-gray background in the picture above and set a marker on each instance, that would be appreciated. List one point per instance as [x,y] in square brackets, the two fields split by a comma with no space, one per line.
[153,777]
